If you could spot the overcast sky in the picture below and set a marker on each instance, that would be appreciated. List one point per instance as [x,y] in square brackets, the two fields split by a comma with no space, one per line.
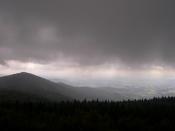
[89,37]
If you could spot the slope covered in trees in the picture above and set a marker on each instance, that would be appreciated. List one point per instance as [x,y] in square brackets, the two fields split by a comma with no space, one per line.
[141,115]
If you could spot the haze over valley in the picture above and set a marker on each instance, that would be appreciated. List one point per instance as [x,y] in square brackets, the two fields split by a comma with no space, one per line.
[87,65]
[126,46]
[25,86]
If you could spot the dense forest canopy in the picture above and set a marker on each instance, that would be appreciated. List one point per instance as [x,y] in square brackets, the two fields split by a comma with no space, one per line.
[145,115]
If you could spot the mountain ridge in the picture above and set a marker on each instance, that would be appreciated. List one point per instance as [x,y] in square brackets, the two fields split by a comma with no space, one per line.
[36,86]
[31,84]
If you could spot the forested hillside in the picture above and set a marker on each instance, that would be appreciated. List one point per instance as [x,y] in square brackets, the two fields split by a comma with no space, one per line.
[142,115]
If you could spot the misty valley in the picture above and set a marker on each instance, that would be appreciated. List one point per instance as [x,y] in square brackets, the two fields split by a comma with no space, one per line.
[87,65]
[29,102]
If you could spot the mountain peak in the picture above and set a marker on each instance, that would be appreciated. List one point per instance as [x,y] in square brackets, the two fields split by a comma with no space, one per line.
[31,85]
[24,74]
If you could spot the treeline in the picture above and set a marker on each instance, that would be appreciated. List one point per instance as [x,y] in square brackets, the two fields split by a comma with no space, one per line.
[137,115]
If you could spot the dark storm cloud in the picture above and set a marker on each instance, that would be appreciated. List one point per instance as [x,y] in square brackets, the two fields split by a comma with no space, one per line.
[134,32]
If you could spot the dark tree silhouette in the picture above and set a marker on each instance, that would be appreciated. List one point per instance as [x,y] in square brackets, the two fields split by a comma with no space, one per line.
[145,115]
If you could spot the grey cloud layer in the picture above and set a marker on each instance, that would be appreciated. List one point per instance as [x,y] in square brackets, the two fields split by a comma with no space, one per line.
[135,32]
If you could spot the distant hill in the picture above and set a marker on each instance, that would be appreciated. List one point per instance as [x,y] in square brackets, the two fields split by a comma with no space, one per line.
[25,86]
